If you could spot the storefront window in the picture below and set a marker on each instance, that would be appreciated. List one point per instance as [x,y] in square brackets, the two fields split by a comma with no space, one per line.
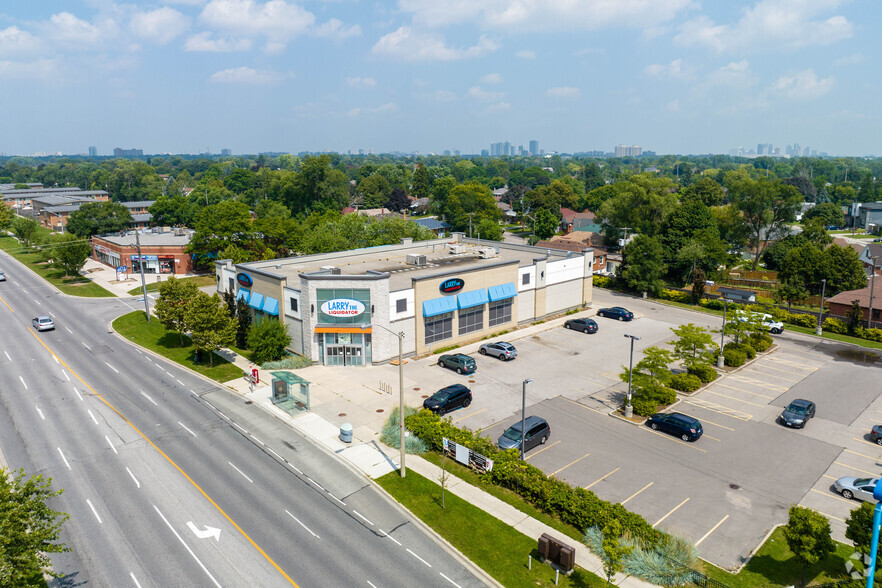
[166,265]
[471,319]
[500,312]
[439,327]
[359,295]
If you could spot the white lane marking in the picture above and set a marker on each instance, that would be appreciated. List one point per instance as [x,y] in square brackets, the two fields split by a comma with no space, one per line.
[302,525]
[419,558]
[206,532]
[160,367]
[78,393]
[148,398]
[7,356]
[371,584]
[337,499]
[181,539]
[16,283]
[37,301]
[65,375]
[111,367]
[56,359]
[86,346]
[64,458]
[137,483]
[321,487]
[40,412]
[191,392]
[188,430]
[93,416]
[238,426]
[393,539]
[135,580]
[94,512]
[270,449]
[362,516]
[23,382]
[241,472]
[256,439]
[109,442]
[449,580]
[139,351]
[179,382]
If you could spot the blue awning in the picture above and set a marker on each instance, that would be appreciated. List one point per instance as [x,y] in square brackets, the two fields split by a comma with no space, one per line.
[473,298]
[256,301]
[502,292]
[271,306]
[244,295]
[438,306]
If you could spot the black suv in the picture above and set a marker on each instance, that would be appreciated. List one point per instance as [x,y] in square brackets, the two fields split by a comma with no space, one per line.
[683,426]
[449,398]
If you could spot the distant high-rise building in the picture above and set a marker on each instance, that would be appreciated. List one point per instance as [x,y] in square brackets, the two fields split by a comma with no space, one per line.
[93,151]
[806,152]
[117,152]
[456,152]
[226,152]
[506,148]
[485,153]
[759,148]
[534,147]
[628,150]
[447,152]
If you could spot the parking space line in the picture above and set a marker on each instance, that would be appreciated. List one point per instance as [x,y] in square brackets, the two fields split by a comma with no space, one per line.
[829,516]
[697,543]
[862,454]
[717,425]
[777,369]
[569,464]
[711,437]
[658,522]
[677,440]
[636,493]
[602,478]
[582,405]
[796,364]
[865,441]
[491,426]
[854,468]
[792,379]
[737,399]
[746,391]
[760,383]
[611,375]
[719,408]
[836,496]
[468,415]
[543,449]
[828,476]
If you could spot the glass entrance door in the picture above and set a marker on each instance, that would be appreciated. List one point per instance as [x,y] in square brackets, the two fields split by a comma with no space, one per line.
[344,355]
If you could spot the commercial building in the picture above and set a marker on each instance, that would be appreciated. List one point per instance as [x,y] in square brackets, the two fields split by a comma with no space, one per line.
[347,308]
[163,251]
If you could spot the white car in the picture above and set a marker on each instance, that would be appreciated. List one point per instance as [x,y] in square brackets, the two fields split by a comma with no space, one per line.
[43,323]
[766,320]
[2,277]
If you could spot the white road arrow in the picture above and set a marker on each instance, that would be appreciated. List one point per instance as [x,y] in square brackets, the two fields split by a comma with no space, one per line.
[208,532]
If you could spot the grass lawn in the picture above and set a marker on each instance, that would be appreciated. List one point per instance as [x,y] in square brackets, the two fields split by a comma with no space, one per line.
[74,286]
[495,547]
[154,286]
[153,336]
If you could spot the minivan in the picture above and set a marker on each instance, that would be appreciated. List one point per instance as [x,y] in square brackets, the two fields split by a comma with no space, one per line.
[449,398]
[538,432]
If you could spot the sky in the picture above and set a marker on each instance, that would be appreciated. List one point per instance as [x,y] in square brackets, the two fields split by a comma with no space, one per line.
[673,76]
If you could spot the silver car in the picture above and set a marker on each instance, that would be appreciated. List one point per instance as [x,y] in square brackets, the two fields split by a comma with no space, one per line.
[860,488]
[2,277]
[43,323]
[500,350]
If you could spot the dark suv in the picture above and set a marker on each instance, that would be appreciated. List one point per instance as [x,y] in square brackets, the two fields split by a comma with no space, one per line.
[538,433]
[676,423]
[449,398]
[462,363]
[876,434]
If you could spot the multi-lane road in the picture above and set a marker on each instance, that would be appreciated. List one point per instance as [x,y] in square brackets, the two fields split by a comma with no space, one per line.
[171,480]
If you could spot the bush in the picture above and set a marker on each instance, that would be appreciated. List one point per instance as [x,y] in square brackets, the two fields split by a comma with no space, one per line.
[801,320]
[391,434]
[647,399]
[675,296]
[267,340]
[669,564]
[685,382]
[602,281]
[644,406]
[873,335]
[836,326]
[713,304]
[760,341]
[293,361]
[748,350]
[734,357]
[704,372]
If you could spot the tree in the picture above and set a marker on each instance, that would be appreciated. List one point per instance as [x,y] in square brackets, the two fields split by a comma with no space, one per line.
[267,339]
[854,316]
[592,177]
[7,215]
[641,203]
[243,323]
[471,198]
[173,211]
[489,230]
[843,270]
[705,190]
[552,197]
[421,184]
[699,281]
[220,225]
[830,213]
[546,223]
[815,231]
[694,345]
[776,253]
[792,291]
[374,190]
[29,528]
[171,307]
[766,207]
[867,190]
[859,527]
[210,326]
[643,265]
[652,371]
[69,253]
[398,200]
[808,536]
[743,324]
[804,186]
[25,230]
[614,552]
[803,266]
[94,218]
[229,298]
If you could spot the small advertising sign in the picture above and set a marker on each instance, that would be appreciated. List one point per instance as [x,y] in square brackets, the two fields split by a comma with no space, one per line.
[452,285]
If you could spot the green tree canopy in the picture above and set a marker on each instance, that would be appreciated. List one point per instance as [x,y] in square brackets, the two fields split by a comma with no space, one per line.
[335,232]
[705,190]
[643,265]
[592,177]
[25,230]
[7,215]
[552,197]
[374,191]
[471,198]
[488,229]
[421,186]
[808,536]
[694,345]
[68,252]
[831,214]
[642,203]
[220,225]
[842,268]
[173,211]
[96,218]
[171,306]
[211,328]
[859,527]
[267,339]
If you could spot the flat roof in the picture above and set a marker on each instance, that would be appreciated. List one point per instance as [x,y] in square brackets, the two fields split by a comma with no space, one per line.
[155,239]
[392,259]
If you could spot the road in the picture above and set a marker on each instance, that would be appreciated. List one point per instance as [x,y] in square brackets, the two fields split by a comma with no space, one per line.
[171,480]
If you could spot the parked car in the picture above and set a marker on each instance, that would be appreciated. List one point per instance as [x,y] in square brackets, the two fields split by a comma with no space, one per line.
[876,434]
[500,350]
[683,426]
[538,432]
[462,363]
[449,398]
[860,488]
[766,320]
[798,413]
[616,312]
[586,325]
[43,323]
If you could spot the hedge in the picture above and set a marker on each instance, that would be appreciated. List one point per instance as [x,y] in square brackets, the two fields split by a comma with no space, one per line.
[574,506]
[602,281]
[685,382]
[647,400]
[734,357]
[704,372]
[675,296]
[748,350]
[836,326]
[760,341]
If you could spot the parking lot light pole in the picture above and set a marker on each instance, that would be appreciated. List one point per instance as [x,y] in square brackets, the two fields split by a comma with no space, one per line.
[400,336]
[720,359]
[524,415]
[819,330]
[629,410]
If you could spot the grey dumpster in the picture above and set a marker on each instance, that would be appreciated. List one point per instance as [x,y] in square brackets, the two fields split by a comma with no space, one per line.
[346,433]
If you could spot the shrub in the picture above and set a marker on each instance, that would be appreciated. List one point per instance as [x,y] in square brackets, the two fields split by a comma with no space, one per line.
[602,281]
[748,351]
[647,399]
[669,564]
[267,340]
[391,433]
[704,372]
[293,361]
[685,382]
[675,296]
[760,341]
[873,335]
[800,320]
[713,304]
[734,357]
[836,326]
[644,406]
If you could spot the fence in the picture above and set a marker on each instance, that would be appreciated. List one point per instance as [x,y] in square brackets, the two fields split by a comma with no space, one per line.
[694,576]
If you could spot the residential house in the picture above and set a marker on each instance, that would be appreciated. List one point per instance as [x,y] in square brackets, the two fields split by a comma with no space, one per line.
[439,227]
[419,205]
[841,303]
[736,294]
[870,218]
[871,257]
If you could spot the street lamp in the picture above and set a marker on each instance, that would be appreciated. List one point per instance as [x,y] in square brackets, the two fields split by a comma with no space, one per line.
[872,285]
[523,415]
[720,360]
[819,330]
[629,410]
[400,336]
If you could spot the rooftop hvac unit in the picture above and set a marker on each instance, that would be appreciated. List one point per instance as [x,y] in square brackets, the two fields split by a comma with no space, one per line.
[180,232]
[416,259]
[331,269]
[487,252]
[457,249]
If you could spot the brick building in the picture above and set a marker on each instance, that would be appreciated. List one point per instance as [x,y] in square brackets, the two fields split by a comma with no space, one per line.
[163,251]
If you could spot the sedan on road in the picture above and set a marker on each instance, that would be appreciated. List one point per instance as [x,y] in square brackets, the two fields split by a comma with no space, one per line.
[500,350]
[460,362]
[43,323]
[876,434]
[860,488]
[798,413]
[586,325]
[616,312]
[683,426]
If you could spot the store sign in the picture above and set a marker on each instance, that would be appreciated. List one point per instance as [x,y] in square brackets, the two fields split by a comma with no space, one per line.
[144,257]
[244,280]
[342,307]
[452,285]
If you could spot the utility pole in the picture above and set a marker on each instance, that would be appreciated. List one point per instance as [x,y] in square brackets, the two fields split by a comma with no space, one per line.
[141,266]
[819,331]
[470,215]
[872,286]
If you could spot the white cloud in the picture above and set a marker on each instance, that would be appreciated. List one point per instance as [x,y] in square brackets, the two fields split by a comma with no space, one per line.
[276,20]
[500,107]
[564,92]
[675,69]
[66,28]
[204,42]
[43,69]
[335,29]
[383,108]
[480,94]
[803,85]
[526,54]
[406,45]
[491,78]
[853,59]
[770,24]
[160,25]
[735,74]
[15,40]
[245,75]
[361,82]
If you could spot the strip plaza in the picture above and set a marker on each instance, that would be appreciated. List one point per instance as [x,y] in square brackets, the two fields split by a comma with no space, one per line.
[347,308]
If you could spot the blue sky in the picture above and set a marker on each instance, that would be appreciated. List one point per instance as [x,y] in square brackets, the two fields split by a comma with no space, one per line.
[674,76]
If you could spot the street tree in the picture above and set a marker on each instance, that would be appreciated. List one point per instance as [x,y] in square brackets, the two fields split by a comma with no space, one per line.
[243,323]
[211,328]
[7,215]
[94,218]
[643,265]
[268,338]
[742,324]
[859,527]
[489,230]
[808,536]
[29,528]
[614,552]
[694,345]
[652,371]
[471,198]
[68,252]
[25,230]
[222,224]
[545,223]
[171,306]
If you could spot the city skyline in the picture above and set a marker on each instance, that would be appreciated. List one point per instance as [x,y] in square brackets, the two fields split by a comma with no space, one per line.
[673,76]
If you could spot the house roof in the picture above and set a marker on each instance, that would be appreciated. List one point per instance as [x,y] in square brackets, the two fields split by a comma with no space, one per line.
[138,204]
[871,250]
[569,215]
[433,224]
[859,247]
[847,297]
[561,245]
[347,210]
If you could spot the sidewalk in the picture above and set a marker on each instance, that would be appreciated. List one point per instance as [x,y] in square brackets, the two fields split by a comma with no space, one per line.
[106,277]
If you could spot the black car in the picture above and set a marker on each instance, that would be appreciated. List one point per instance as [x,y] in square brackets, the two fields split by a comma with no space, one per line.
[876,434]
[538,432]
[616,312]
[449,398]
[459,362]
[683,426]
[586,325]
[798,413]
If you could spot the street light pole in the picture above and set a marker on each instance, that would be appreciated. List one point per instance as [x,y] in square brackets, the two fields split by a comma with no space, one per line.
[400,336]
[629,410]
[720,360]
[143,282]
[819,330]
[872,285]
[524,415]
